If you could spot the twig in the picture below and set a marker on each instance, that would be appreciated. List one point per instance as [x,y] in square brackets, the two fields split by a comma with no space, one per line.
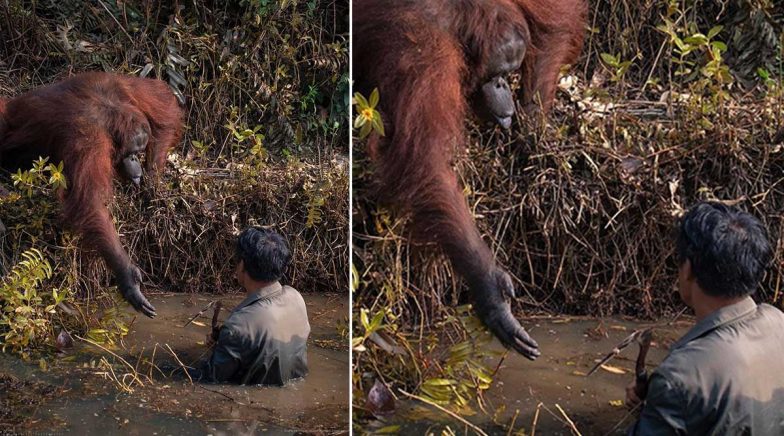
[182,365]
[201,312]
[569,420]
[514,421]
[113,354]
[223,395]
[111,375]
[628,414]
[447,411]
[536,418]
[117,22]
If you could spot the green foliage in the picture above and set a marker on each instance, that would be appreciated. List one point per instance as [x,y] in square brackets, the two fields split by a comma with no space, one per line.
[370,325]
[464,372]
[264,7]
[455,374]
[26,310]
[200,147]
[247,139]
[699,63]
[618,68]
[34,192]
[316,201]
[341,100]
[36,177]
[697,53]
[308,100]
[368,118]
[28,301]
[112,324]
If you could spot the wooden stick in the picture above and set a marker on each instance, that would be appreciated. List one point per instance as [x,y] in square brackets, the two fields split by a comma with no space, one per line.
[514,421]
[201,312]
[447,411]
[184,369]
[536,418]
[215,313]
[569,420]
[115,355]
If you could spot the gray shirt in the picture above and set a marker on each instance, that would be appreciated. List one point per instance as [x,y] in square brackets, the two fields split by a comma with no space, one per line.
[724,377]
[264,340]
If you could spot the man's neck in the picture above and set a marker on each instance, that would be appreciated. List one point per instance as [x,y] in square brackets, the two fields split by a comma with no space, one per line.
[707,304]
[253,287]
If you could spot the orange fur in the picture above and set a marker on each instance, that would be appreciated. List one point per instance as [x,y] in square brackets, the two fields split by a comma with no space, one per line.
[86,122]
[426,57]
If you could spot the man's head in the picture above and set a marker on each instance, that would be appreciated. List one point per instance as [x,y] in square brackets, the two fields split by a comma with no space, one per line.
[722,253]
[263,257]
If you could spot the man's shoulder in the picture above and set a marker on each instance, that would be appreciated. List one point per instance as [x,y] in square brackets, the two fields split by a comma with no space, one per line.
[291,290]
[233,331]
[683,363]
[771,313]
[722,351]
[289,297]
[293,295]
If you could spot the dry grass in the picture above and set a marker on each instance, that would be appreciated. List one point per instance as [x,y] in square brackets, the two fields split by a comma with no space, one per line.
[237,66]
[581,210]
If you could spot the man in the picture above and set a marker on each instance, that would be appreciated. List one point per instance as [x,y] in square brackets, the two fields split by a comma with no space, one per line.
[726,375]
[264,340]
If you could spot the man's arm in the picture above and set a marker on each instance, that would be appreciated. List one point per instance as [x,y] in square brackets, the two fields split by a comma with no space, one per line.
[664,411]
[226,357]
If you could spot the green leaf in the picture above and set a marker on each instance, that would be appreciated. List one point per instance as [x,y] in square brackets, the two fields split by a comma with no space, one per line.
[609,59]
[378,125]
[696,39]
[365,130]
[354,277]
[390,429]
[359,121]
[363,317]
[440,382]
[679,43]
[360,101]
[376,322]
[714,31]
[718,45]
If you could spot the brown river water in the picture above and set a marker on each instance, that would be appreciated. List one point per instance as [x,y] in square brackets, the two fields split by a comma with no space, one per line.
[71,396]
[570,348]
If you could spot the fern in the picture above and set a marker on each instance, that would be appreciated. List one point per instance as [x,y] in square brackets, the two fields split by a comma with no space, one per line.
[24,319]
[315,203]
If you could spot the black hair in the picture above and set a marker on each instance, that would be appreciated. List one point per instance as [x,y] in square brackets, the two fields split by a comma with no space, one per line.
[264,253]
[728,249]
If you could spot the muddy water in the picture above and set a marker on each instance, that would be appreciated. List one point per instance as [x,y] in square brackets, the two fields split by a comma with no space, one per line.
[570,348]
[87,403]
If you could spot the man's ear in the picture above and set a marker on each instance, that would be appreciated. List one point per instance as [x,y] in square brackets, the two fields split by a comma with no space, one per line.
[688,270]
[239,271]
[685,277]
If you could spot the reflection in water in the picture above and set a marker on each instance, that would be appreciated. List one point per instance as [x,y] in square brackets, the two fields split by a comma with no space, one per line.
[90,404]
